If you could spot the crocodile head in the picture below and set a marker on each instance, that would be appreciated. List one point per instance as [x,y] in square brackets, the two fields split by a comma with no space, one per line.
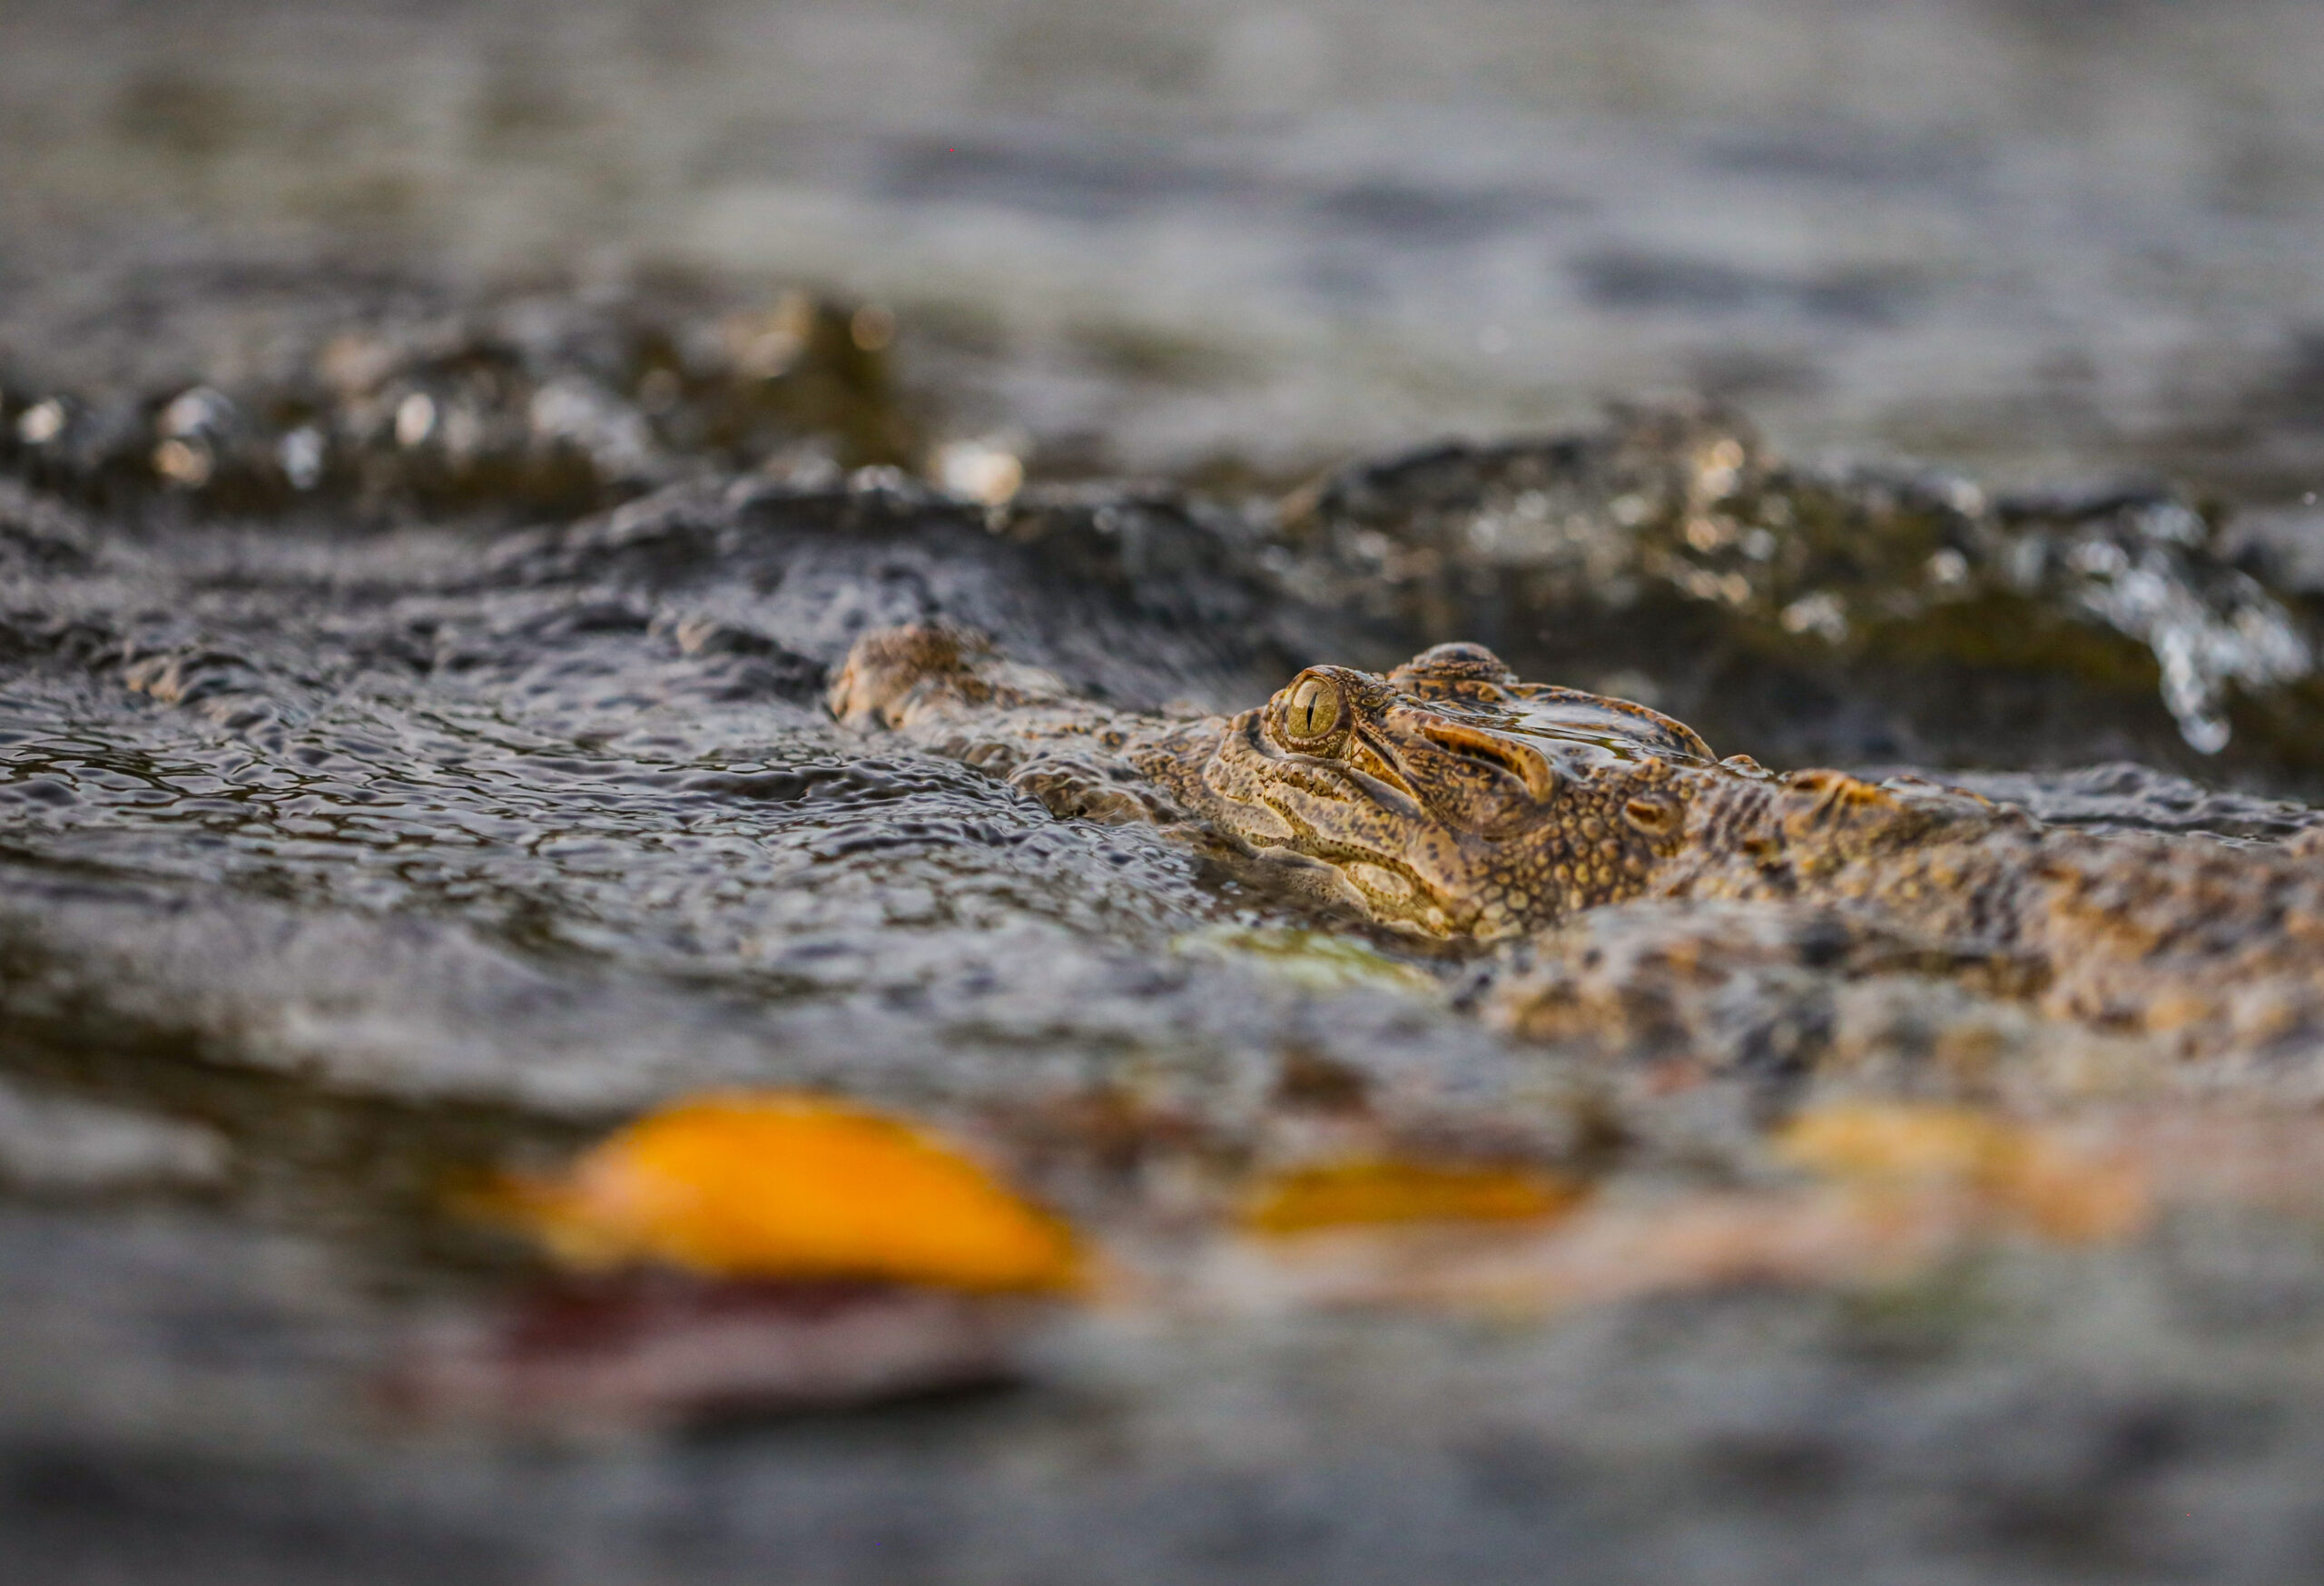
[1447,797]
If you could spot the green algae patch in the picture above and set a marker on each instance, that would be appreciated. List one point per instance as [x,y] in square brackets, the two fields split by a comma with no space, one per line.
[1314,961]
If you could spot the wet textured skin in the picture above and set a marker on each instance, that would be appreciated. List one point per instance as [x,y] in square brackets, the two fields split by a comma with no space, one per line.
[1449,799]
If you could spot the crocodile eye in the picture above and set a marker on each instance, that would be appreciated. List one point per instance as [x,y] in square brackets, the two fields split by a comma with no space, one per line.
[1313,711]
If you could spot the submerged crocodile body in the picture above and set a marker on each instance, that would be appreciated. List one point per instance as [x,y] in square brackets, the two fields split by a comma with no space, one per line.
[1449,799]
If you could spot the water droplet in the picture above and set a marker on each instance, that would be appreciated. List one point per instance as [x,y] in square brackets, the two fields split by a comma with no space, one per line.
[41,423]
[415,419]
[182,462]
[981,470]
[301,454]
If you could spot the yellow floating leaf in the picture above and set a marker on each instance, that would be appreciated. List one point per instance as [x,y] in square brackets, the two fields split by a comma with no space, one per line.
[775,1185]
[1371,1191]
[2011,1167]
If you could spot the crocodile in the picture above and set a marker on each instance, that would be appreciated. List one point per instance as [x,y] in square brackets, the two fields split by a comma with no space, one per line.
[1449,800]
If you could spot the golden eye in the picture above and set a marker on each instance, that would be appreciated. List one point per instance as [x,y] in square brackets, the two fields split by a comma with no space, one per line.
[1313,709]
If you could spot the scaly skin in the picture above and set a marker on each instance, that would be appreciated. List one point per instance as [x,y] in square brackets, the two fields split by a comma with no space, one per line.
[1449,799]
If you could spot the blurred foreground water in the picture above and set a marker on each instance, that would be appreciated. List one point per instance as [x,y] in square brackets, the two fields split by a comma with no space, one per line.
[446,450]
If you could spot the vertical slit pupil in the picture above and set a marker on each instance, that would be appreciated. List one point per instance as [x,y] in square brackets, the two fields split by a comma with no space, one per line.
[1314,709]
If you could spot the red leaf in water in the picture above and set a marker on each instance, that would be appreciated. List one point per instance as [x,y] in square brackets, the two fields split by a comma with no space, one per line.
[653,1347]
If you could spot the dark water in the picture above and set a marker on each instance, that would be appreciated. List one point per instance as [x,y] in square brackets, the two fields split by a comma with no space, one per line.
[349,856]
[444,451]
